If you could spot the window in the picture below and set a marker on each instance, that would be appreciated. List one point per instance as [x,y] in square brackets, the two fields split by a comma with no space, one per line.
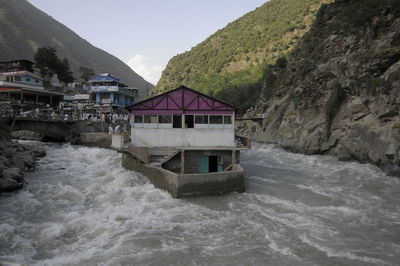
[227,119]
[189,121]
[201,119]
[216,119]
[36,80]
[28,79]
[177,121]
[150,119]
[164,119]
[16,78]
[138,119]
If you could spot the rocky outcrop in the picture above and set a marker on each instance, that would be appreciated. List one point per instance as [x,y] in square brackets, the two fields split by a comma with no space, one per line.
[14,160]
[339,93]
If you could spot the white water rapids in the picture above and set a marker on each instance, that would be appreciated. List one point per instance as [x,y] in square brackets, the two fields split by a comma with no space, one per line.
[81,207]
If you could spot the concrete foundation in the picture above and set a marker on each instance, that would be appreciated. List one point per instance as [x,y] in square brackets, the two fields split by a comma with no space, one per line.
[187,184]
[118,141]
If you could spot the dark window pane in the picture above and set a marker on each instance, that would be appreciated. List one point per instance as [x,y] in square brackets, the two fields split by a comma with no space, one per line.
[164,119]
[201,119]
[138,119]
[150,118]
[227,119]
[216,119]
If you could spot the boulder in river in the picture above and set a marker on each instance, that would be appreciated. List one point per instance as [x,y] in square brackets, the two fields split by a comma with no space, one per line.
[8,185]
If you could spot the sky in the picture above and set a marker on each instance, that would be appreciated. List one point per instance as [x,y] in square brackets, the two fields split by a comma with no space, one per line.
[146,34]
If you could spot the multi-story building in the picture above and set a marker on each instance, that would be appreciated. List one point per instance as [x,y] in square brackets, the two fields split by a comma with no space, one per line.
[22,89]
[107,89]
[184,141]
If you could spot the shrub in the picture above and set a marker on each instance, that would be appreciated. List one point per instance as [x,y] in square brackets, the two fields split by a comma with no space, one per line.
[281,62]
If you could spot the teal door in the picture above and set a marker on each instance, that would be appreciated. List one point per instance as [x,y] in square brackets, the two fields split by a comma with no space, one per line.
[203,165]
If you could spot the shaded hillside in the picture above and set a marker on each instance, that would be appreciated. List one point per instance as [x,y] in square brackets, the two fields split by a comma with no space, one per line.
[339,92]
[230,64]
[24,28]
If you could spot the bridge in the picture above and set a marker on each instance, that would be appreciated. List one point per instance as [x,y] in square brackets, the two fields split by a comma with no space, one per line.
[54,130]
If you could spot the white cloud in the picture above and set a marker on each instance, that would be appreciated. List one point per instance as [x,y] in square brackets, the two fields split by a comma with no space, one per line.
[139,63]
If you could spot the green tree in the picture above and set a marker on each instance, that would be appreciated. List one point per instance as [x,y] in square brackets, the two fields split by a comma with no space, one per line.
[64,72]
[48,63]
[86,73]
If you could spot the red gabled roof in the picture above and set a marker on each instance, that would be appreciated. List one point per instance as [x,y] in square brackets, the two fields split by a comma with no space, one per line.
[182,98]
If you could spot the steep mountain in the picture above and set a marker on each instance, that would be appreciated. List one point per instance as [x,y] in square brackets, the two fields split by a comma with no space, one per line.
[24,28]
[230,64]
[339,91]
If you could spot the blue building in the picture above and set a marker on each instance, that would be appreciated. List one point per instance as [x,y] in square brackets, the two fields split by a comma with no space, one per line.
[20,72]
[106,89]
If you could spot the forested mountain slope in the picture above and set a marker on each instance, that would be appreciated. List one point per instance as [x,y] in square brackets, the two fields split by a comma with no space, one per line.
[230,64]
[24,28]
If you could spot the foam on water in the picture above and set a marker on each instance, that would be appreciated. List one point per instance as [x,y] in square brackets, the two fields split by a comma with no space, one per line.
[82,208]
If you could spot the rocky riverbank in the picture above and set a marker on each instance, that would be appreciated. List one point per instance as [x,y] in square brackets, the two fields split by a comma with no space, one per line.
[339,92]
[15,159]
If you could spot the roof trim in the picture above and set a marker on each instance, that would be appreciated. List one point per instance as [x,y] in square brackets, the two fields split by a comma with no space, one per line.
[180,87]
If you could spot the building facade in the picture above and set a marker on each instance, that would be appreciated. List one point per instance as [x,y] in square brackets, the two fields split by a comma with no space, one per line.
[107,89]
[184,141]
[21,89]
[182,118]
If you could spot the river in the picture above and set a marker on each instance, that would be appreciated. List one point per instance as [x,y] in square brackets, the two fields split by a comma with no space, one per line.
[81,207]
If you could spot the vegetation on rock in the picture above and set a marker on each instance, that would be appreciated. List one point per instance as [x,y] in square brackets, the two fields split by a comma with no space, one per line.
[340,91]
[231,64]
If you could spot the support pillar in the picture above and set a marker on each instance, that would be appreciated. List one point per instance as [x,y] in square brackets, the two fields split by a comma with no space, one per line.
[37,98]
[233,156]
[51,99]
[21,98]
[182,162]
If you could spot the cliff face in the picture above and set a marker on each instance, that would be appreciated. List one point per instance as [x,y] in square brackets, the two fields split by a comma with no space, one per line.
[339,92]
[24,28]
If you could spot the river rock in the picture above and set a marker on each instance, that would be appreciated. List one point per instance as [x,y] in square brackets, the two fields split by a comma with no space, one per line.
[22,160]
[39,153]
[5,161]
[8,185]
[14,174]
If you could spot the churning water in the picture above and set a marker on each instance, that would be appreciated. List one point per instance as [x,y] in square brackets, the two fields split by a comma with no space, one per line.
[82,208]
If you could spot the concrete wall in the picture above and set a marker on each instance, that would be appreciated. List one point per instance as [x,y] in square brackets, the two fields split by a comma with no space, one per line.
[159,177]
[211,183]
[183,137]
[100,140]
[30,81]
[118,141]
[188,184]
